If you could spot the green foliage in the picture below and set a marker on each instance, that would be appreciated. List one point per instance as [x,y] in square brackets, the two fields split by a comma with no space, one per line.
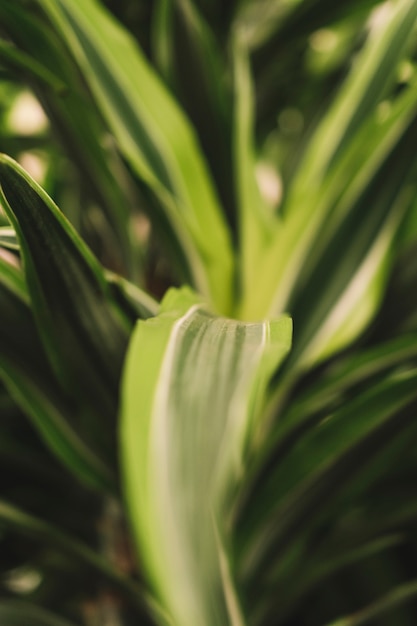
[208,376]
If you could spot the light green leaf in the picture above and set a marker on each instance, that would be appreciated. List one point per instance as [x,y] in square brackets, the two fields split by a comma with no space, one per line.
[12,278]
[154,135]
[191,417]
[257,224]
[327,193]
[8,238]
[191,59]
[371,76]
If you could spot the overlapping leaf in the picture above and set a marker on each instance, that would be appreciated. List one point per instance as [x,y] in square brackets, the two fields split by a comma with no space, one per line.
[40,59]
[154,136]
[83,332]
[190,418]
[31,382]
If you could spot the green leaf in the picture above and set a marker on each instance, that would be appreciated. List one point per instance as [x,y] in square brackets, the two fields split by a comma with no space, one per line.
[29,525]
[327,196]
[19,61]
[76,123]
[8,238]
[12,278]
[320,466]
[382,607]
[191,418]
[154,135]
[130,298]
[82,331]
[15,613]
[189,56]
[257,223]
[31,383]
[366,85]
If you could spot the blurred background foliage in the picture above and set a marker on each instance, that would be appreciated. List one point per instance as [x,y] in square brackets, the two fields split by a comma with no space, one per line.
[349,540]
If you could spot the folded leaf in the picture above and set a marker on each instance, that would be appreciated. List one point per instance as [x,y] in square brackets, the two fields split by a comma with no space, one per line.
[191,416]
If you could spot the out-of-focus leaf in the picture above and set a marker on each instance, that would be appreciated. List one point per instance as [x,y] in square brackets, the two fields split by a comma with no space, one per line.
[76,122]
[83,333]
[256,221]
[29,525]
[8,238]
[381,607]
[304,257]
[190,419]
[154,136]
[15,613]
[354,369]
[367,84]
[189,56]
[326,566]
[15,59]
[135,302]
[12,278]
[321,464]
[33,386]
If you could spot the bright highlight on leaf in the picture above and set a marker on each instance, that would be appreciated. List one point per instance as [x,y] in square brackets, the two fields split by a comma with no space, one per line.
[193,389]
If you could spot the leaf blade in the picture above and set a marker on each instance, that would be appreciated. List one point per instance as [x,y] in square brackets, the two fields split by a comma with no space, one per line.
[191,349]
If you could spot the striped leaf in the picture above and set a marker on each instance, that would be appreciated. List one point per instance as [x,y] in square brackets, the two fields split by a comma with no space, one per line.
[47,67]
[154,135]
[8,238]
[191,416]
[30,381]
[83,333]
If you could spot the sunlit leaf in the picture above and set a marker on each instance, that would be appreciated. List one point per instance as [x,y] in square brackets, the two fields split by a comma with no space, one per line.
[154,136]
[190,419]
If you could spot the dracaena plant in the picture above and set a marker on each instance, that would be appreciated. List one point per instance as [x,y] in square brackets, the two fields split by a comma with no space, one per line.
[208,352]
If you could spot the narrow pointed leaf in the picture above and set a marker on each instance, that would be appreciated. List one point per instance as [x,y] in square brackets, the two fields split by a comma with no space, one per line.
[8,238]
[17,60]
[190,58]
[256,221]
[77,320]
[31,526]
[325,460]
[371,76]
[190,418]
[130,298]
[382,607]
[31,383]
[75,121]
[153,134]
